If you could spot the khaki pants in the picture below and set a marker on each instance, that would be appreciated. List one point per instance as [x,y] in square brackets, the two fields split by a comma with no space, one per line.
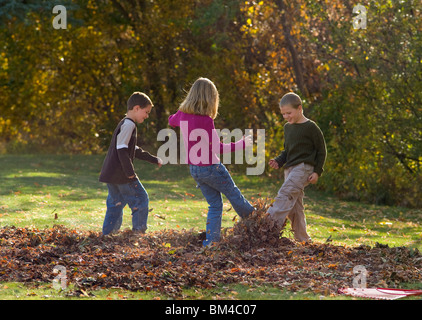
[289,200]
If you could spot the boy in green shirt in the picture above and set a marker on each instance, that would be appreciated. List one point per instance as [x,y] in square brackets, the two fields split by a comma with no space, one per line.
[303,159]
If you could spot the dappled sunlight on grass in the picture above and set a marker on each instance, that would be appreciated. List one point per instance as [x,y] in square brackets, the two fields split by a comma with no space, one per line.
[353,223]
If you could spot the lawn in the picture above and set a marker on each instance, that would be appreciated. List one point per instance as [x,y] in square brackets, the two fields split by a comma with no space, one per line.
[40,191]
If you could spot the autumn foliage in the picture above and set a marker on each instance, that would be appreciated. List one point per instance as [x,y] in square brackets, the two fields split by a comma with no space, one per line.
[362,86]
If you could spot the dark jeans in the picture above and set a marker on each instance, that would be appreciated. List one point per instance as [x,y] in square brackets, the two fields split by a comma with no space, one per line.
[133,194]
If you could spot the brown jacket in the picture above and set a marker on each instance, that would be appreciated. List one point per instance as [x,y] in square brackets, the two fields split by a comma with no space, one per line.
[118,163]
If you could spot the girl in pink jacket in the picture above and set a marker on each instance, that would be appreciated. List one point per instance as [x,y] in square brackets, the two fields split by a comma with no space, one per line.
[195,118]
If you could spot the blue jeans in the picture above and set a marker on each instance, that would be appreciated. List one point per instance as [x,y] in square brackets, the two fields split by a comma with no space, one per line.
[213,181]
[133,194]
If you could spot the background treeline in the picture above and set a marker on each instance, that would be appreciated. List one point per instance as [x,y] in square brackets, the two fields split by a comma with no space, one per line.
[63,91]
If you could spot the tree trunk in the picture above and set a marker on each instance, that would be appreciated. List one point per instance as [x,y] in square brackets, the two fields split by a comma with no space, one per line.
[290,43]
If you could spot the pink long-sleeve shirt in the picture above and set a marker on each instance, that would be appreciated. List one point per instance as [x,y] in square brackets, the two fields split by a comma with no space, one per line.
[201,140]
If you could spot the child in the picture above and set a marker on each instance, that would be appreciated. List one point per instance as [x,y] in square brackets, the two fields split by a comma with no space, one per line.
[118,172]
[303,158]
[195,118]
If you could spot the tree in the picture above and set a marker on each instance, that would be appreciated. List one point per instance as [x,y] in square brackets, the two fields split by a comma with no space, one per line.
[64,90]
[371,98]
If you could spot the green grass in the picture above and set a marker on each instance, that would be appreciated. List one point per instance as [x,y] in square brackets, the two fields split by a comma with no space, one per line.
[37,189]
[40,191]
[45,291]
[353,223]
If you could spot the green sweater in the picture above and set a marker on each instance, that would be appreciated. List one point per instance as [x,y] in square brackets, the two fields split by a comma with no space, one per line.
[303,142]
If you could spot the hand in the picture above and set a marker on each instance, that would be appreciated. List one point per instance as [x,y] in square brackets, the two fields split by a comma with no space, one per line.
[160,162]
[313,178]
[273,164]
[248,141]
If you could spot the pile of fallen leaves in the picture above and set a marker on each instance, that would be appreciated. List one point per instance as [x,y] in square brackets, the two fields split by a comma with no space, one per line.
[256,231]
[253,252]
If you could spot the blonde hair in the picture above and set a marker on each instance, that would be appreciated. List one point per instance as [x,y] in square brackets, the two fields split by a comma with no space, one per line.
[202,99]
[291,99]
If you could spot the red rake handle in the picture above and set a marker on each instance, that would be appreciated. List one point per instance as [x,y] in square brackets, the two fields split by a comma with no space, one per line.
[379,293]
[405,291]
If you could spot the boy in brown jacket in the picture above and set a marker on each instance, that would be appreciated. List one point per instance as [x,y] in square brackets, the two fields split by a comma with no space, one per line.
[118,172]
